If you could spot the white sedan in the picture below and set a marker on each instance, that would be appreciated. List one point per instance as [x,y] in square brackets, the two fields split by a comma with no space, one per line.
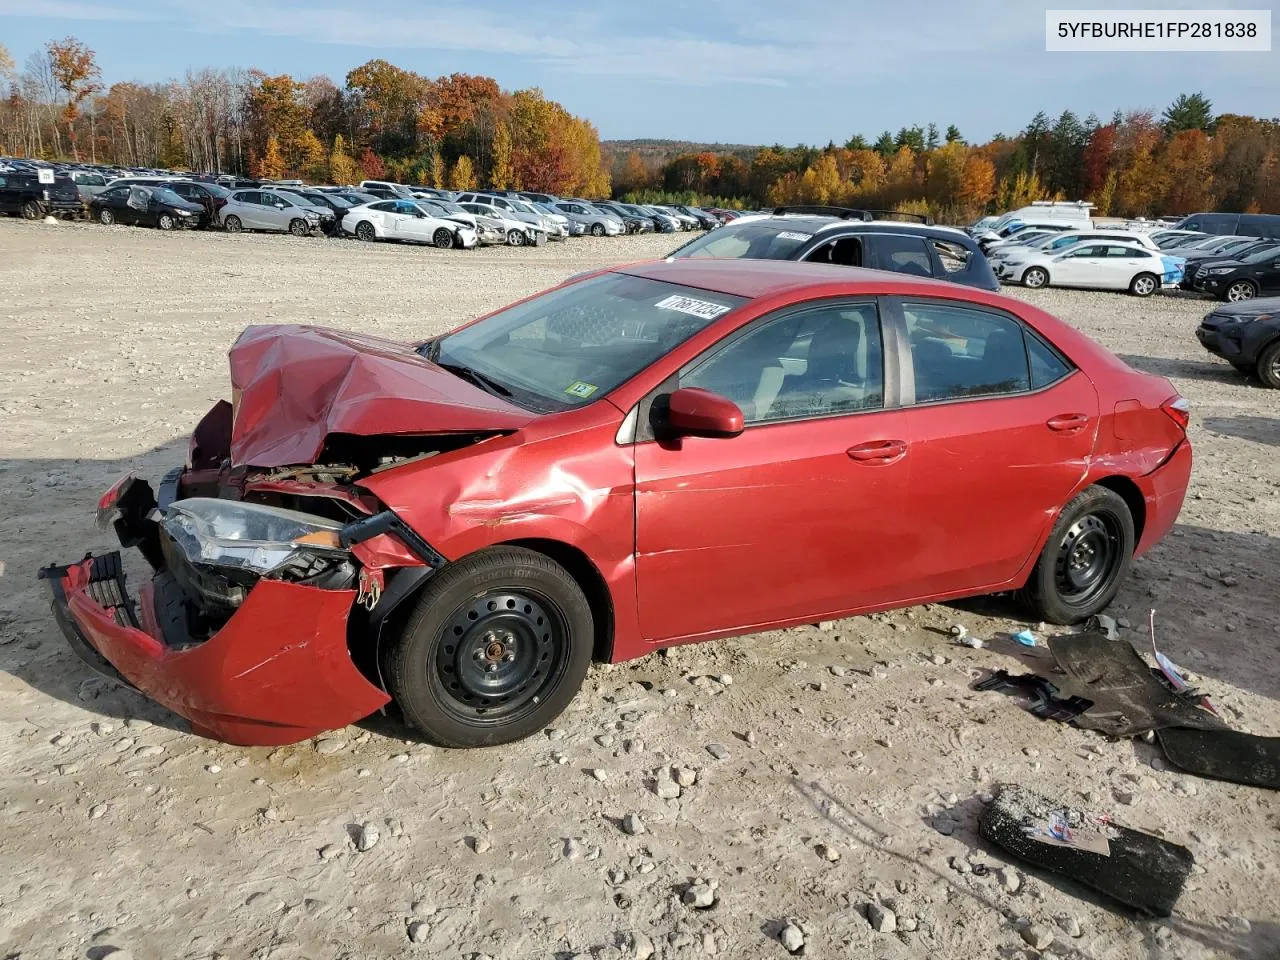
[1104,266]
[405,220]
[519,232]
[1053,242]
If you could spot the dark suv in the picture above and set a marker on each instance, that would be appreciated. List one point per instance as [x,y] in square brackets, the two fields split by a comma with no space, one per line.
[1235,280]
[1239,224]
[843,237]
[24,194]
[1246,335]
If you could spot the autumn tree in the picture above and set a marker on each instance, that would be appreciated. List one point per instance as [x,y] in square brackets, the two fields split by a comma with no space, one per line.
[310,161]
[462,176]
[371,165]
[271,165]
[342,169]
[821,182]
[501,174]
[1188,163]
[634,175]
[946,173]
[437,170]
[977,182]
[76,73]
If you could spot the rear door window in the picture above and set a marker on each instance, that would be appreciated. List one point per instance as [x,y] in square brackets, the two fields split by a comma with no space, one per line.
[959,353]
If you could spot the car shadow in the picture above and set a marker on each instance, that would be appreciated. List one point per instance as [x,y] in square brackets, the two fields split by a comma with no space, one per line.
[1258,429]
[1207,370]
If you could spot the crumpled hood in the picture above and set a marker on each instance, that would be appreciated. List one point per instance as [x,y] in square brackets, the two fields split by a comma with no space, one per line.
[292,386]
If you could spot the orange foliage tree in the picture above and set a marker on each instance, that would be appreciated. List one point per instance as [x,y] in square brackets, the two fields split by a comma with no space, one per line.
[76,73]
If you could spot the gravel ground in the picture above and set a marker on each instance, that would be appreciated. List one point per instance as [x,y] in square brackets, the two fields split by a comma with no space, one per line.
[819,771]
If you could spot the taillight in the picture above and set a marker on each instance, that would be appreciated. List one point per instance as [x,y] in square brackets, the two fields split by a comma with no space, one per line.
[1178,410]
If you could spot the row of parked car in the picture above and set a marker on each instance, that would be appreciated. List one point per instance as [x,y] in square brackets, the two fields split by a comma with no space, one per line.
[372,210]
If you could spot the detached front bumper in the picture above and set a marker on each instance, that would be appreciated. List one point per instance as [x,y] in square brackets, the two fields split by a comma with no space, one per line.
[278,672]
[278,667]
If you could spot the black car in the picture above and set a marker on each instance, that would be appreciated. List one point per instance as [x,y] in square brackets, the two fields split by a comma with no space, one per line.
[705,220]
[1246,335]
[1197,261]
[1240,279]
[23,194]
[842,237]
[210,196]
[633,222]
[150,206]
[338,203]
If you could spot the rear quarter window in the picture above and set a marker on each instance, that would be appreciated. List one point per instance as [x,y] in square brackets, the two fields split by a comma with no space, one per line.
[954,256]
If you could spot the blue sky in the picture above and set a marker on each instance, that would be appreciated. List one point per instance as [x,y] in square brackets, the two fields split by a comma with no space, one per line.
[745,71]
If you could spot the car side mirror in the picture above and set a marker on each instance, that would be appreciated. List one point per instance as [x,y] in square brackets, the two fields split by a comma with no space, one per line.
[279,206]
[695,412]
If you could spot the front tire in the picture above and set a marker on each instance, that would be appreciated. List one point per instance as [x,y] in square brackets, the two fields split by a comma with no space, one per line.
[515,238]
[443,239]
[298,227]
[1035,278]
[597,229]
[497,647]
[1084,561]
[1240,290]
[1268,368]
[1144,285]
[165,222]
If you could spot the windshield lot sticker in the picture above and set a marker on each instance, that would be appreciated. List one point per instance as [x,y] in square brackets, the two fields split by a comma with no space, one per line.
[703,309]
[788,235]
[581,389]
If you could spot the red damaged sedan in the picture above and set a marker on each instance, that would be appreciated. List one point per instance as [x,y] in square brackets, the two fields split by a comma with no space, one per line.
[650,455]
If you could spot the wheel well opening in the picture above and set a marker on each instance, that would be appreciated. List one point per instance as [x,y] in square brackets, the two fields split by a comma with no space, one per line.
[1132,496]
[592,583]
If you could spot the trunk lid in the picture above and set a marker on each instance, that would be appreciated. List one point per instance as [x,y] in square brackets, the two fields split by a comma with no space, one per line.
[293,386]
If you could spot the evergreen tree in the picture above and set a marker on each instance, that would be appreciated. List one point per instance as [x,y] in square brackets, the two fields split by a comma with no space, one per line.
[885,145]
[953,134]
[1189,112]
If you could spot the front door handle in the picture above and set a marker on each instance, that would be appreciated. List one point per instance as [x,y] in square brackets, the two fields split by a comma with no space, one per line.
[1067,422]
[878,451]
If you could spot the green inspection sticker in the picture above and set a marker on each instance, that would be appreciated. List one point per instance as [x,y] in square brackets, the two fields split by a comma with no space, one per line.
[580,388]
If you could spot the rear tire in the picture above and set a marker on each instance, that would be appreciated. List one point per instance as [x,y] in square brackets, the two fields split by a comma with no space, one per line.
[366,232]
[1144,285]
[443,239]
[515,238]
[1268,368]
[298,227]
[32,210]
[106,217]
[1084,561]
[497,647]
[1035,278]
[232,224]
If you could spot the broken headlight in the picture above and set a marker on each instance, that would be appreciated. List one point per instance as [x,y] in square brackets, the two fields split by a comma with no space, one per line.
[250,537]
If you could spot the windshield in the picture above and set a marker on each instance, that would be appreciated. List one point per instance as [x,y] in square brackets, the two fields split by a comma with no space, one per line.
[165,195]
[543,208]
[574,344]
[750,241]
[1261,256]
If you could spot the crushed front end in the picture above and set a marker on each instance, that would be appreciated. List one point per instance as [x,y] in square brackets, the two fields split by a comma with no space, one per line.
[267,600]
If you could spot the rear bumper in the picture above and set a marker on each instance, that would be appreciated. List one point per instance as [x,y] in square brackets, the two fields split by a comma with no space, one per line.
[1164,490]
[279,670]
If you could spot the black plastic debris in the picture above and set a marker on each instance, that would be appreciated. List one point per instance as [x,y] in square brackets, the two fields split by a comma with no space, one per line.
[1224,755]
[1039,696]
[1133,868]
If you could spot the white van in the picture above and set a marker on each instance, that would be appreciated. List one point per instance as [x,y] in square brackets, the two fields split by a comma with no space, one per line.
[1073,215]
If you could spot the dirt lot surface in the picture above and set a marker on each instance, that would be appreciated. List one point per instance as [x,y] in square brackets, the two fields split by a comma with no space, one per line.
[120,830]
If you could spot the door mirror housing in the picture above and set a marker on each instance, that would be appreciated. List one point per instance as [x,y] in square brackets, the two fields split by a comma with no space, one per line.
[695,412]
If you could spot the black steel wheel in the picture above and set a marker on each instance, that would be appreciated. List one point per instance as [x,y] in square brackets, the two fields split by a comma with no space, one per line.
[497,647]
[1085,559]
[443,239]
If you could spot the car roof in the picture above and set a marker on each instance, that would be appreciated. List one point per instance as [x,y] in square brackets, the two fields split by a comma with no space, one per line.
[819,224]
[761,278]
